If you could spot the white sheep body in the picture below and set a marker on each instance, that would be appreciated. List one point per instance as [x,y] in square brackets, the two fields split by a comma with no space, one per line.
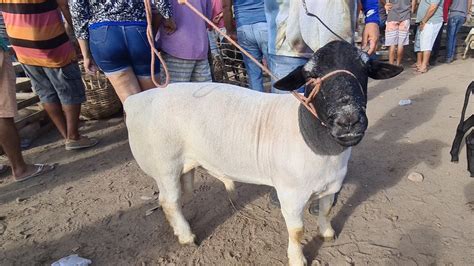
[232,132]
[236,134]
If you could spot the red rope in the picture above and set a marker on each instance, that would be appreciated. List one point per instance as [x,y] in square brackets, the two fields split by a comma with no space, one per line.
[153,50]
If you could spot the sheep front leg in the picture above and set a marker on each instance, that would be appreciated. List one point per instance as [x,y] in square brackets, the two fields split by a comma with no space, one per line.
[325,228]
[292,207]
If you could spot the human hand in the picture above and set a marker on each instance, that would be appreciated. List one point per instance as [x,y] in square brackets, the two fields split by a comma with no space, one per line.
[90,65]
[370,37]
[422,25]
[217,18]
[388,7]
[170,26]
[232,35]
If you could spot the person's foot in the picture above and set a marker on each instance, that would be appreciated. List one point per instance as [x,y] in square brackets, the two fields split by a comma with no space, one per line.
[82,143]
[449,60]
[422,70]
[34,171]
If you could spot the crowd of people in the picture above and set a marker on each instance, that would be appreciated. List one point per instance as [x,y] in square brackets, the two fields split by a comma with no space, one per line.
[112,37]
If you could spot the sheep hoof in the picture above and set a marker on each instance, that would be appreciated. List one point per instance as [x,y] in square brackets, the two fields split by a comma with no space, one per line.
[189,240]
[327,238]
[298,262]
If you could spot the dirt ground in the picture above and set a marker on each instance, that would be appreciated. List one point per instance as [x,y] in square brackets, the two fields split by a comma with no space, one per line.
[95,202]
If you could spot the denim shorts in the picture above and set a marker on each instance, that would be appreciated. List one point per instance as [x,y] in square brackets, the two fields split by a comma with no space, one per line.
[57,85]
[117,46]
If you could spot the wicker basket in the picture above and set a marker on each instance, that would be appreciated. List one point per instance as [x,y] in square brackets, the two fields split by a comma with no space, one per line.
[102,101]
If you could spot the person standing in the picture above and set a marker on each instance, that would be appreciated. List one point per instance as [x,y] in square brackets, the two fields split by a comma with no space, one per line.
[112,35]
[397,29]
[38,37]
[458,12]
[185,51]
[251,33]
[9,139]
[294,36]
[430,18]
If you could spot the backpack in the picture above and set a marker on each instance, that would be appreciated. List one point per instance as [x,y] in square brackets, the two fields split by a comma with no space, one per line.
[463,127]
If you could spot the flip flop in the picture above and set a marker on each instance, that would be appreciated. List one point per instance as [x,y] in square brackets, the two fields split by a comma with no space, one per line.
[40,170]
[421,71]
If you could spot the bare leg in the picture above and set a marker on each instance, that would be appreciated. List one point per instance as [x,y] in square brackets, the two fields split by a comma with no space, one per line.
[292,206]
[391,54]
[187,183]
[325,228]
[399,54]
[125,83]
[146,83]
[56,114]
[419,58]
[10,142]
[426,60]
[72,113]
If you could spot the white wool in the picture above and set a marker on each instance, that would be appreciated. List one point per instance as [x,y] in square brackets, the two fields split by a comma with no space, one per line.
[236,134]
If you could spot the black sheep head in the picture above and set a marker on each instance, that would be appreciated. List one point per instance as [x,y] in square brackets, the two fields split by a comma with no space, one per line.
[342,99]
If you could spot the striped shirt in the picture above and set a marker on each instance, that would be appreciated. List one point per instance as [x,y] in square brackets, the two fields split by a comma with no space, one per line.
[36,32]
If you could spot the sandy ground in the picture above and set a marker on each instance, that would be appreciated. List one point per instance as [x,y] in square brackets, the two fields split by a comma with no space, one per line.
[94,204]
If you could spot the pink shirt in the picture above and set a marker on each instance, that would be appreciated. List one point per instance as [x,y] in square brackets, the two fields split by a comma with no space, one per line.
[216,10]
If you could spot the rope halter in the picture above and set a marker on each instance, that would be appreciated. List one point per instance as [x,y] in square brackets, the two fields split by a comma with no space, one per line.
[317,82]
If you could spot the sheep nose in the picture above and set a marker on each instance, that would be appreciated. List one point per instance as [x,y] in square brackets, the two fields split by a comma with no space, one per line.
[347,120]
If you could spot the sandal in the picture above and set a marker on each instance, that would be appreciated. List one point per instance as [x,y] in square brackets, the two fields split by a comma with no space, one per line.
[40,170]
[414,66]
[422,71]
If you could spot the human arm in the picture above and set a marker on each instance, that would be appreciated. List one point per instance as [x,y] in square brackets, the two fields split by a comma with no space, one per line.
[64,7]
[165,16]
[414,6]
[387,5]
[80,16]
[370,36]
[89,63]
[229,18]
[428,15]
[469,6]
[446,5]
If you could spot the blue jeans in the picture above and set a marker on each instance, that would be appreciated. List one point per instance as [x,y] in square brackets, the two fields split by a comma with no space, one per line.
[117,46]
[283,65]
[254,39]
[454,24]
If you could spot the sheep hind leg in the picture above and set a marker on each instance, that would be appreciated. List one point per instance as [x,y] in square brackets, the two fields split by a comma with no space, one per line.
[228,184]
[325,228]
[187,183]
[170,200]
[229,187]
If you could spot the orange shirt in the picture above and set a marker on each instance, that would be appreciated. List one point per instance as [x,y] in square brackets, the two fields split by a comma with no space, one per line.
[36,32]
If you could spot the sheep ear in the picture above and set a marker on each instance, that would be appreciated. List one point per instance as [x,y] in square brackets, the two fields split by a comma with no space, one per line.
[379,70]
[292,81]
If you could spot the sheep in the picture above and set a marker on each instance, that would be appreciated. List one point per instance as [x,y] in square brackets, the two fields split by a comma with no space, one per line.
[241,135]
